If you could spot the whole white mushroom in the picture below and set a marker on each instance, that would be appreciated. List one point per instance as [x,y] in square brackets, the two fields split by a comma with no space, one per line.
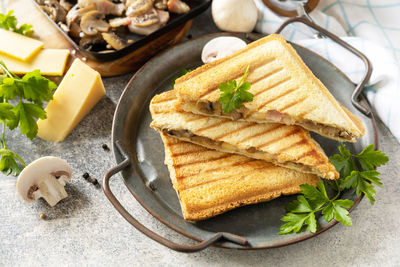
[221,47]
[234,15]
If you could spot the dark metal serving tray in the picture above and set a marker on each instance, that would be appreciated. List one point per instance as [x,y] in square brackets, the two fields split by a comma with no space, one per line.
[196,8]
[139,153]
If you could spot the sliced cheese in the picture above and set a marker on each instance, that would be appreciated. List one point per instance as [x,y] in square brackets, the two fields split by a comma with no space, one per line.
[18,46]
[76,95]
[48,61]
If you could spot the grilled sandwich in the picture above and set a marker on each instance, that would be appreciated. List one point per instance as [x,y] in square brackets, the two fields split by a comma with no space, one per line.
[284,89]
[288,146]
[209,182]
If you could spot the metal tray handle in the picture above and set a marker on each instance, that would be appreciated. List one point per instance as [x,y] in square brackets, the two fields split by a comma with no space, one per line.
[355,98]
[168,243]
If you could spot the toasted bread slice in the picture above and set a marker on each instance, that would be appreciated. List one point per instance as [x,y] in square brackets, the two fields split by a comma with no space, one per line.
[288,146]
[284,89]
[209,182]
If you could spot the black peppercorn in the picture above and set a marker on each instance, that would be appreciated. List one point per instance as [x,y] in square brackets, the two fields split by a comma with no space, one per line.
[86,175]
[95,182]
[105,147]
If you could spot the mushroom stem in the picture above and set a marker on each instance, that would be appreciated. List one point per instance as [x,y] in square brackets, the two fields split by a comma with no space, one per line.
[51,189]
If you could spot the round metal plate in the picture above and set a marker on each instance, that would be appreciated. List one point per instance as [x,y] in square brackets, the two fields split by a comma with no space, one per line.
[258,223]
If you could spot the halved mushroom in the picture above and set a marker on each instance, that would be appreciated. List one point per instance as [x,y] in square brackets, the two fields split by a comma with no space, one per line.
[93,22]
[147,19]
[221,47]
[117,22]
[89,41]
[76,12]
[163,19]
[177,6]
[114,40]
[104,6]
[138,7]
[45,177]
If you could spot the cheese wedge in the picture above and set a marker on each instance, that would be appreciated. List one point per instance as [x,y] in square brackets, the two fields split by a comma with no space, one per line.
[209,182]
[48,61]
[76,95]
[18,46]
[284,88]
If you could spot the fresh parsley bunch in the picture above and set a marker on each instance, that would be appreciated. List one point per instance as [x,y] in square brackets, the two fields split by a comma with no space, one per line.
[9,22]
[28,94]
[301,212]
[235,94]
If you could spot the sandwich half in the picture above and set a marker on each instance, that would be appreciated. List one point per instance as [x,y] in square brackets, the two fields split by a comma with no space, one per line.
[288,146]
[209,182]
[284,89]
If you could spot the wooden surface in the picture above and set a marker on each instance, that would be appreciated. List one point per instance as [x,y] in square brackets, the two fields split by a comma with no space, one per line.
[27,12]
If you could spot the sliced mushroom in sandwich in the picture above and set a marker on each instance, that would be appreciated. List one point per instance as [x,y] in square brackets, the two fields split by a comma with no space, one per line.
[284,89]
[288,146]
[210,182]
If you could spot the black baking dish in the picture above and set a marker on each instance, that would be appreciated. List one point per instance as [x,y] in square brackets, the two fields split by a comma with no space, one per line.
[196,8]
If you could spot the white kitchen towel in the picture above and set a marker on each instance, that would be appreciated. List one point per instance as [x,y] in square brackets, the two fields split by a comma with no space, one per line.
[373,27]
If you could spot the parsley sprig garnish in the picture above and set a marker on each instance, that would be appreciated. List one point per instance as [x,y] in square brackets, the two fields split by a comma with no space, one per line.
[301,213]
[9,22]
[27,94]
[235,94]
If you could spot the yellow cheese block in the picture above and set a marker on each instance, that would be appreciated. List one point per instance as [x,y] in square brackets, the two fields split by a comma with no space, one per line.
[76,95]
[18,46]
[48,61]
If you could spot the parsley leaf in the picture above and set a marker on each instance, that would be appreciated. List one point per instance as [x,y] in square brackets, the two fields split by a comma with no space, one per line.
[352,177]
[28,92]
[370,158]
[301,212]
[234,94]
[8,164]
[9,22]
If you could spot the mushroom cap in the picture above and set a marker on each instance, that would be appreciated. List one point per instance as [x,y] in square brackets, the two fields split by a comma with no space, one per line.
[92,23]
[234,15]
[221,47]
[32,174]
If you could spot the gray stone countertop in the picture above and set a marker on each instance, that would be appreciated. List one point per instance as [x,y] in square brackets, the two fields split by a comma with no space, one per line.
[85,229]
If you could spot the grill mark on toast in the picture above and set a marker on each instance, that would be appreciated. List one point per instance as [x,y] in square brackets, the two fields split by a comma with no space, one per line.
[261,133]
[266,75]
[211,126]
[314,154]
[226,178]
[196,118]
[186,153]
[235,131]
[273,85]
[292,104]
[236,164]
[301,142]
[277,97]
[178,166]
[301,115]
[259,64]
[279,138]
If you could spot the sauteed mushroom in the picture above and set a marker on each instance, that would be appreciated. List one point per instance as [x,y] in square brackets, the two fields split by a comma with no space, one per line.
[114,40]
[93,22]
[104,6]
[89,41]
[138,7]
